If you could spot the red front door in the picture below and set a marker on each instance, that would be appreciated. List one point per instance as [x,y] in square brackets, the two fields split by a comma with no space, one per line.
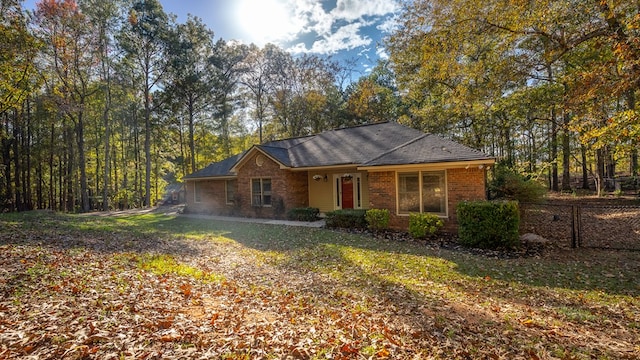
[347,193]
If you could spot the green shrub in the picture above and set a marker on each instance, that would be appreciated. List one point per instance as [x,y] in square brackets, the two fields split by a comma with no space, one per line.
[377,219]
[303,214]
[489,224]
[511,185]
[349,218]
[423,225]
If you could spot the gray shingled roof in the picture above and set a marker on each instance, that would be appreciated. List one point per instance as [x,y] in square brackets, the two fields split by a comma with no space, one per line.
[377,144]
[427,149]
[220,168]
[355,145]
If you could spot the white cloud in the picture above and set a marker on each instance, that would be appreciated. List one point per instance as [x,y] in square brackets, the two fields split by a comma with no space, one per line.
[345,38]
[382,54]
[355,9]
[388,25]
[310,18]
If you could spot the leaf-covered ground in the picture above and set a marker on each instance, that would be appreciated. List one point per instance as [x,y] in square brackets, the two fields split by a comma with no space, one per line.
[154,286]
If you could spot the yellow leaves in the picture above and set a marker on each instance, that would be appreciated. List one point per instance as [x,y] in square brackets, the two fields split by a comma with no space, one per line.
[622,129]
[528,323]
[133,18]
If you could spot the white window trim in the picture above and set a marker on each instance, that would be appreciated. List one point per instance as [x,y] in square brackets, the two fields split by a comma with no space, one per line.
[420,172]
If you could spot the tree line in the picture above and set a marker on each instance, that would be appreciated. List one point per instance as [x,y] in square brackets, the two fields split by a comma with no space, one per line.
[548,86]
[105,102]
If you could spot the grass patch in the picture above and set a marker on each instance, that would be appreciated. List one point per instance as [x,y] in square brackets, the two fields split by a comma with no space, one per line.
[168,265]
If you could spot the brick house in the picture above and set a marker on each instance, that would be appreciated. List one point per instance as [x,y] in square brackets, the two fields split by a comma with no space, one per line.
[383,166]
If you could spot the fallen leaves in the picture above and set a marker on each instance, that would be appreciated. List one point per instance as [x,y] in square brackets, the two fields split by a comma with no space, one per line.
[75,295]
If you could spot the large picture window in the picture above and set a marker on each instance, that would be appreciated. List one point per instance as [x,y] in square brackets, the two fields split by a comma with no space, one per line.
[423,191]
[261,192]
[230,191]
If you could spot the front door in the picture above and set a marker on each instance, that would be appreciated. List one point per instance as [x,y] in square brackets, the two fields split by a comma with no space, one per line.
[347,192]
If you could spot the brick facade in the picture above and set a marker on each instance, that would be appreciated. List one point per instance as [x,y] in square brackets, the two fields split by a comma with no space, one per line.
[462,184]
[213,198]
[289,189]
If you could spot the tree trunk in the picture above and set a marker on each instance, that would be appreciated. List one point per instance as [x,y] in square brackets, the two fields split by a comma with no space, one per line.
[634,163]
[68,176]
[7,143]
[52,183]
[82,163]
[147,134]
[26,184]
[599,171]
[192,143]
[147,150]
[107,145]
[585,170]
[17,163]
[553,158]
[566,153]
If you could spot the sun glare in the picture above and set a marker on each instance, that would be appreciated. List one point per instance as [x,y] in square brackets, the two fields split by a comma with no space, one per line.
[263,21]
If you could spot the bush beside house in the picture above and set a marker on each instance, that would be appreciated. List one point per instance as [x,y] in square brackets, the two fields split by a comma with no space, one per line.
[348,219]
[489,224]
[378,219]
[423,225]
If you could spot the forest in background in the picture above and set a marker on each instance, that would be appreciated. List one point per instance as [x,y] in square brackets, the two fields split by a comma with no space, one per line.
[103,103]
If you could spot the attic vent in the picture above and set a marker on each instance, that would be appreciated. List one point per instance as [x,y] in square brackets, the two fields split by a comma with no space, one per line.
[260,160]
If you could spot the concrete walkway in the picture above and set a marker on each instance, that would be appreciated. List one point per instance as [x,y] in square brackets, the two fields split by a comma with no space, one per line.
[176,211]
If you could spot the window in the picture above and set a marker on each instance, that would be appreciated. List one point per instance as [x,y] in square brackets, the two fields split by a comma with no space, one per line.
[408,192]
[230,191]
[261,192]
[197,191]
[422,192]
[433,193]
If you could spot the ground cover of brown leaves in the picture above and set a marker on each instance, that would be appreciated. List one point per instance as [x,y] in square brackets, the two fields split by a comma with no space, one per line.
[153,286]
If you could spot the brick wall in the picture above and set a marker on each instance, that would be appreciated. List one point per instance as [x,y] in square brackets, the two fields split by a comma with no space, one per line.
[382,195]
[462,184]
[213,197]
[289,187]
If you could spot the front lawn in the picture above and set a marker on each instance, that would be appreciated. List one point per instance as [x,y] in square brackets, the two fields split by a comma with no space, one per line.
[155,286]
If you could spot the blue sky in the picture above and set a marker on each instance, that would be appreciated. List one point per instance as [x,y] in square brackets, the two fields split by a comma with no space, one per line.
[345,29]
